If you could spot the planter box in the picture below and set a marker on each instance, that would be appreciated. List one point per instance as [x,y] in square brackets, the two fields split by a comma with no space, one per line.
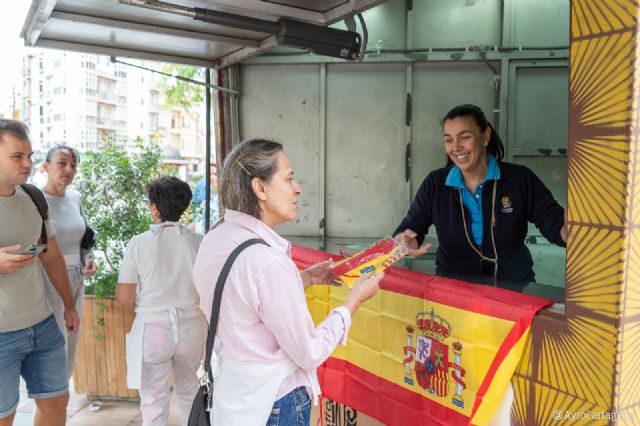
[101,368]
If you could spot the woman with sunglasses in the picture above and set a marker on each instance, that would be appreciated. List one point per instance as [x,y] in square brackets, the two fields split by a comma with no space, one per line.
[480,205]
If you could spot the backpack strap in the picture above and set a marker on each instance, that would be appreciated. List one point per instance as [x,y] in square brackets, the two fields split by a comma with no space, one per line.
[41,204]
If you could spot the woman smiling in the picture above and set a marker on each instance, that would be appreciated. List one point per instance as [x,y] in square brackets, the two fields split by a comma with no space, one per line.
[480,205]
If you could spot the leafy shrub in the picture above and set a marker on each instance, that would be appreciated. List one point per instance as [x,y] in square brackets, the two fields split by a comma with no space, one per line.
[112,186]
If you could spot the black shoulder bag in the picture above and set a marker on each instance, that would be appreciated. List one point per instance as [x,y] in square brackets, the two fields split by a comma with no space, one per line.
[201,406]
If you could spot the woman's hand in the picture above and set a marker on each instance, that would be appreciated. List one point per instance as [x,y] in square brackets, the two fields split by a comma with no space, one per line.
[363,290]
[409,241]
[89,267]
[319,273]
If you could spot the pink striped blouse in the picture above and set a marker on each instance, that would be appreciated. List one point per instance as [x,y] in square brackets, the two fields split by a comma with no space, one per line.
[263,315]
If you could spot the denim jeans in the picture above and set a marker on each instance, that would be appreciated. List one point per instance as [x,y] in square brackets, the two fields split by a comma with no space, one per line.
[293,409]
[37,353]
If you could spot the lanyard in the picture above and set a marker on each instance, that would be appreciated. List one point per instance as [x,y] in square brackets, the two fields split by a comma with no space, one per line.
[493,224]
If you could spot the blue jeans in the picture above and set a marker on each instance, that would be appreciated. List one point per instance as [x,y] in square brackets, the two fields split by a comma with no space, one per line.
[293,409]
[37,353]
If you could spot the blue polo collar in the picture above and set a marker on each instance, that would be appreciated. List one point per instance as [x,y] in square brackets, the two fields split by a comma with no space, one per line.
[454,177]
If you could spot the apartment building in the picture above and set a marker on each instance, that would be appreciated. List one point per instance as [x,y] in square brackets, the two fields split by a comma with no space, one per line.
[80,99]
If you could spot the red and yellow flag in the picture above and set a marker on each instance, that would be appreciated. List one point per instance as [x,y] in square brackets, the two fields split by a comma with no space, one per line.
[426,350]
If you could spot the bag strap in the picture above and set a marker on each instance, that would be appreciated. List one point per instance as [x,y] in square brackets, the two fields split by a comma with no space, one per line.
[217,299]
[41,204]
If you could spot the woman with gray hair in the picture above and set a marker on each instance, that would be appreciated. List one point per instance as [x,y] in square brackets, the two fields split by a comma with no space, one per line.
[70,223]
[266,347]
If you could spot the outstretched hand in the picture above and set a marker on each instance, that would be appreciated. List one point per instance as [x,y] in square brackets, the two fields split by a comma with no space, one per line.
[319,273]
[366,287]
[408,239]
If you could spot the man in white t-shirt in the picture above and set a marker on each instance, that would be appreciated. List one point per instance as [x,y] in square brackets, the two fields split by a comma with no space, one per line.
[31,344]
[167,335]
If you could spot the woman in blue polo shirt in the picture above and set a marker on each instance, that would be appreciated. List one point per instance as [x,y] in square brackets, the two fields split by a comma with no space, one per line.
[499,198]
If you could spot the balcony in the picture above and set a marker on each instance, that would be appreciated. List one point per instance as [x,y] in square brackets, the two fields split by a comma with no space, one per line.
[107,97]
[105,122]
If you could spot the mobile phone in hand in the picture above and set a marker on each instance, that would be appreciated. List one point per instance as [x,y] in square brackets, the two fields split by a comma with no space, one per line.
[33,249]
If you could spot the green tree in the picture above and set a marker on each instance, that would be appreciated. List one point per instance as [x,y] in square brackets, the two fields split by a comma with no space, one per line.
[181,93]
[112,186]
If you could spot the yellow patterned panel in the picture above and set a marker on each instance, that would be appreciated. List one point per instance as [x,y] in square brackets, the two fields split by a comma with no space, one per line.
[629,417]
[553,407]
[521,387]
[562,408]
[594,270]
[634,197]
[634,166]
[592,17]
[628,387]
[600,80]
[572,365]
[579,360]
[631,302]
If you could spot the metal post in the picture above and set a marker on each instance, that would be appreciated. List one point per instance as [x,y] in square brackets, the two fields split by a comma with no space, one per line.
[207,153]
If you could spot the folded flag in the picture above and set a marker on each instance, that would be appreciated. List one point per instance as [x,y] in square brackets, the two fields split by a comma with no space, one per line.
[426,350]
[373,259]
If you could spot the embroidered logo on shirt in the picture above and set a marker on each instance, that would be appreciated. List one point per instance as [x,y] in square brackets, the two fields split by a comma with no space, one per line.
[506,204]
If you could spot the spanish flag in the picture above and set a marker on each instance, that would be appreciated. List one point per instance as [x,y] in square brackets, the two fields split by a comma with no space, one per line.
[425,350]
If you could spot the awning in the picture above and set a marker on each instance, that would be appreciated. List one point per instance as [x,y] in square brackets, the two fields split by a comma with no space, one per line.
[115,28]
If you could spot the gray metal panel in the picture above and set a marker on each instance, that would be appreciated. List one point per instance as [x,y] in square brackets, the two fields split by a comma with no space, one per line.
[538,113]
[386,25]
[456,23]
[539,122]
[539,23]
[282,102]
[114,28]
[125,12]
[438,87]
[315,6]
[365,149]
[98,35]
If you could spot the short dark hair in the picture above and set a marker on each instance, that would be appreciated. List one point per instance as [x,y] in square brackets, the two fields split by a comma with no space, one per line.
[170,195]
[15,128]
[254,158]
[74,153]
[495,145]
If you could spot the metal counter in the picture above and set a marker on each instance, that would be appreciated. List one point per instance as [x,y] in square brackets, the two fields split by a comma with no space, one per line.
[426,264]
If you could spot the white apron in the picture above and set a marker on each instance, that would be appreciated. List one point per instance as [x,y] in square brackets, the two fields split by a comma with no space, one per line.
[244,392]
[135,339]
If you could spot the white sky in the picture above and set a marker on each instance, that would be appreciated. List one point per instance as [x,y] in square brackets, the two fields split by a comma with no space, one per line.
[13,13]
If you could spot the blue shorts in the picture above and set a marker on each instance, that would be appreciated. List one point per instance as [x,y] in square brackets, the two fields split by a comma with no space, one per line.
[37,353]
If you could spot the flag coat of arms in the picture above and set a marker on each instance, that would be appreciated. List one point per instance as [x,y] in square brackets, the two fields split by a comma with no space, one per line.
[425,350]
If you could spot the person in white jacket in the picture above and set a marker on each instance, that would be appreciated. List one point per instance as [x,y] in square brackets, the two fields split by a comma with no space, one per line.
[167,336]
